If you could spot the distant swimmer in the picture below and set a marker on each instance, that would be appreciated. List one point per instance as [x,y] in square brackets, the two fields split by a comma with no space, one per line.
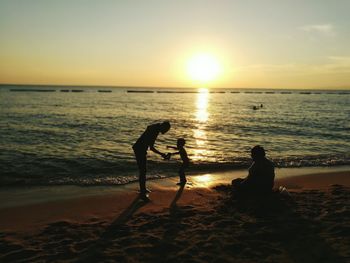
[258,107]
[147,140]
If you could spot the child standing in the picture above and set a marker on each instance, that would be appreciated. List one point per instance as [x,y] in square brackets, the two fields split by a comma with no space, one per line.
[180,146]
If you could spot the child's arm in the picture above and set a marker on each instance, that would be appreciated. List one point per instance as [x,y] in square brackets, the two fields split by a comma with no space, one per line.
[171,147]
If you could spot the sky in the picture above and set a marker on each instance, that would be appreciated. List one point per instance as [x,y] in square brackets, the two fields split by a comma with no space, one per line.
[257,43]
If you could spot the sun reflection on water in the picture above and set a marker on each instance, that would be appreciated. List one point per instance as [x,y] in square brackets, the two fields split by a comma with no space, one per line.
[200,137]
[201,116]
[204,180]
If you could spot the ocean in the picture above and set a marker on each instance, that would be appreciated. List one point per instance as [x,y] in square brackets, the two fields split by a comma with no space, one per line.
[69,135]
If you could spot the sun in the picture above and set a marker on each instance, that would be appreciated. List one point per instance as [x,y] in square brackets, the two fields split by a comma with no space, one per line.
[203,67]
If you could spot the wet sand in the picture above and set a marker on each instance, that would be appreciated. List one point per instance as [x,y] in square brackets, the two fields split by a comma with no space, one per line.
[198,223]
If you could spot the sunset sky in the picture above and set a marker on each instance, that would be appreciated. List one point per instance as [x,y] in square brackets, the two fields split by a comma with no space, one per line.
[255,43]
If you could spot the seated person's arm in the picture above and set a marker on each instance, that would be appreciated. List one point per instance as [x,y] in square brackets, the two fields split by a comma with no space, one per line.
[251,175]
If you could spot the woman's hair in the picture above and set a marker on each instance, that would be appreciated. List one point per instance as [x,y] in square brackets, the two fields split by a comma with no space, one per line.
[165,126]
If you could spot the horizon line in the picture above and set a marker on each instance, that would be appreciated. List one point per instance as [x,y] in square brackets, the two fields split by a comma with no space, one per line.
[163,87]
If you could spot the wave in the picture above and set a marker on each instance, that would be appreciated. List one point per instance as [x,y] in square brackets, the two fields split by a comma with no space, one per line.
[93,172]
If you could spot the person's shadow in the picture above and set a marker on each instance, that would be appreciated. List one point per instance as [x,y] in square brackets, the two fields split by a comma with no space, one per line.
[173,206]
[172,227]
[115,230]
[135,205]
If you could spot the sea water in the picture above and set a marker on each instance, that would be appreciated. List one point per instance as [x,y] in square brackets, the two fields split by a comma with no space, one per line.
[83,135]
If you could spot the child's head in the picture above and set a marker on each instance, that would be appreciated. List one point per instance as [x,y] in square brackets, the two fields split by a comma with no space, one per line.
[180,142]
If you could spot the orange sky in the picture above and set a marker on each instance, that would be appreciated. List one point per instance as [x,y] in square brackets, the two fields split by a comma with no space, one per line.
[258,44]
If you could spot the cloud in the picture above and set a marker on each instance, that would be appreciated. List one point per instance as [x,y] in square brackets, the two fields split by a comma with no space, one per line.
[322,29]
[338,64]
[332,65]
[332,72]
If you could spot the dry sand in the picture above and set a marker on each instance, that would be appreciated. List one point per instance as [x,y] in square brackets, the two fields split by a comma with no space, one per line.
[190,224]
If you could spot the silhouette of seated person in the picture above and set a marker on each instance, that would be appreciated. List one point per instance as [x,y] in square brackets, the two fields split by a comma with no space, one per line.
[260,179]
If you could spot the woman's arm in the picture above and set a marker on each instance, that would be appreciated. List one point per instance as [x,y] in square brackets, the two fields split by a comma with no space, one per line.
[153,149]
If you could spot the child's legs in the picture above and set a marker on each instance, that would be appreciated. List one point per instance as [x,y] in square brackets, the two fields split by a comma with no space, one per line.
[182,173]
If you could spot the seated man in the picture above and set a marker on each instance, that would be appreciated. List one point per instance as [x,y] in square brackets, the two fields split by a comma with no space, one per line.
[261,175]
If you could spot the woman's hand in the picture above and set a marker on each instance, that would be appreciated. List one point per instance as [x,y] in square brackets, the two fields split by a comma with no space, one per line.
[166,156]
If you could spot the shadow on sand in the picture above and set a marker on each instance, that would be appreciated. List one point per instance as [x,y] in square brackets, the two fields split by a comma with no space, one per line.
[173,205]
[283,222]
[116,230]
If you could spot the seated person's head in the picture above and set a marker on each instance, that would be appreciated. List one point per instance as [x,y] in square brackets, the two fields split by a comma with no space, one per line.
[257,152]
[164,127]
[180,142]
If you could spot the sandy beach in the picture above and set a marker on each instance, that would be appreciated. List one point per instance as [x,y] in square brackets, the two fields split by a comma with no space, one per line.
[196,223]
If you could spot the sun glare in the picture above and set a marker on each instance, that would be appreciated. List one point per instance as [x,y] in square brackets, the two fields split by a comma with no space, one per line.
[203,67]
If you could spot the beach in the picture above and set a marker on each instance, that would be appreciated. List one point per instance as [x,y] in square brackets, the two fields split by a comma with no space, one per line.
[200,222]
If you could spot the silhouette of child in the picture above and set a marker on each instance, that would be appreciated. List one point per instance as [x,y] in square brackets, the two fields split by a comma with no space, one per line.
[185,160]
